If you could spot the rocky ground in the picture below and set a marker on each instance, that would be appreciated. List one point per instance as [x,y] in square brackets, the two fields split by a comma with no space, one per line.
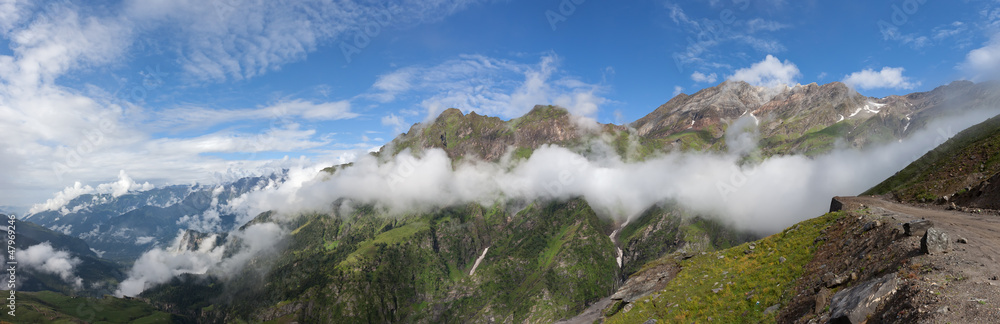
[873,269]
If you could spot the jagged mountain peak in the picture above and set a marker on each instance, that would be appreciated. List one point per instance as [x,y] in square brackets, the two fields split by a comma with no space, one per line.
[489,138]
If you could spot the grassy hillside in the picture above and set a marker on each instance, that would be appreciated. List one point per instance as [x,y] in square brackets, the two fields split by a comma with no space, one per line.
[966,159]
[51,307]
[99,276]
[546,261]
[735,285]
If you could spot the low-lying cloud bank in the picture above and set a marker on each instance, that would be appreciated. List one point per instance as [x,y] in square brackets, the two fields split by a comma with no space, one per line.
[764,197]
[159,265]
[44,258]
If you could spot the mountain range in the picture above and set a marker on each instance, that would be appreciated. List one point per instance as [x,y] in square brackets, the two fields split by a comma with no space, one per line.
[516,259]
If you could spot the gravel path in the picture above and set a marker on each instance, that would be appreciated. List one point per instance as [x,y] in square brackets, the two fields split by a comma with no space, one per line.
[963,286]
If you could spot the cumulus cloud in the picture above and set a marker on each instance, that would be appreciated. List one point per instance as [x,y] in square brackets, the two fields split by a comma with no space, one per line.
[702,78]
[770,72]
[159,265]
[78,131]
[124,185]
[984,62]
[42,257]
[888,78]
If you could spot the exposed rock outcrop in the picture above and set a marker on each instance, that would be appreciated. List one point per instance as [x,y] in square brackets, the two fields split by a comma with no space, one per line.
[854,305]
[935,241]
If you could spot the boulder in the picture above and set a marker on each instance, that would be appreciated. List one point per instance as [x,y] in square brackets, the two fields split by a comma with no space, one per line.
[854,305]
[935,241]
[917,228]
[822,300]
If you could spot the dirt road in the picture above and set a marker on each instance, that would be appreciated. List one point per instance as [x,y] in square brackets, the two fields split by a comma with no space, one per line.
[962,285]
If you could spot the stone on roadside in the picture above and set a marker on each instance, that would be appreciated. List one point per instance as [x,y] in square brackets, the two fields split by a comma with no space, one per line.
[935,241]
[854,305]
[917,228]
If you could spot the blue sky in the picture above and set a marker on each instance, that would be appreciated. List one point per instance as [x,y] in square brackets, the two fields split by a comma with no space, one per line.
[201,91]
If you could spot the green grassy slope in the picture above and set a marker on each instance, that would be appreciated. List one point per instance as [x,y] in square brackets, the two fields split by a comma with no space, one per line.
[52,307]
[959,162]
[746,283]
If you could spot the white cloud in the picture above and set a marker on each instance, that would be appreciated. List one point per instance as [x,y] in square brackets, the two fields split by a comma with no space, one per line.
[281,112]
[87,134]
[984,62]
[758,24]
[770,72]
[44,258]
[59,38]
[702,78]
[398,125]
[232,39]
[889,78]
[950,30]
[678,90]
[160,265]
[11,14]
[705,35]
[490,86]
[124,185]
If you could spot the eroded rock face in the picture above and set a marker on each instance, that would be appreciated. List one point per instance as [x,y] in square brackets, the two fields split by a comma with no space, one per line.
[935,241]
[854,305]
